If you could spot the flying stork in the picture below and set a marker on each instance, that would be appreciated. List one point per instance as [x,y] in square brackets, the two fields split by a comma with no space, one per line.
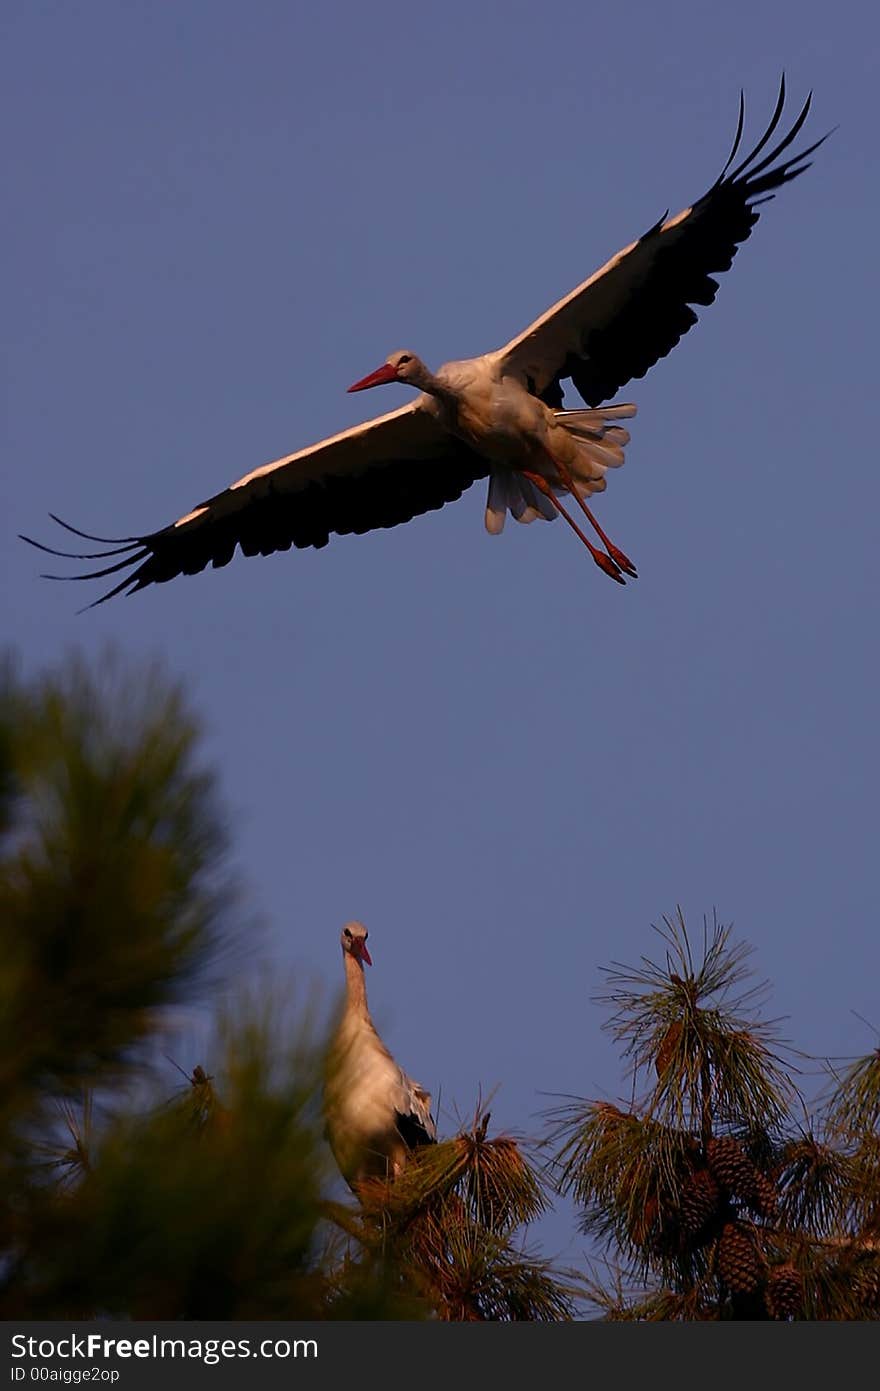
[499,416]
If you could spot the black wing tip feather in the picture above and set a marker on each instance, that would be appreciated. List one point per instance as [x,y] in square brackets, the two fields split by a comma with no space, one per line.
[136,550]
[752,177]
[774,122]
[103,540]
[75,555]
[739,132]
[130,585]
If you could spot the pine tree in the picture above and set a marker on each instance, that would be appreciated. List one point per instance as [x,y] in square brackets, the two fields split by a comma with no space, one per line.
[708,1198]
[116,903]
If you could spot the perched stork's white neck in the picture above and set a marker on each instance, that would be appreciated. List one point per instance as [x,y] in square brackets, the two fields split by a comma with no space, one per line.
[355,988]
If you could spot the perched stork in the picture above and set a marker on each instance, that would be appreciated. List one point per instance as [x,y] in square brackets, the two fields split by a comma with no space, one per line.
[500,415]
[374,1113]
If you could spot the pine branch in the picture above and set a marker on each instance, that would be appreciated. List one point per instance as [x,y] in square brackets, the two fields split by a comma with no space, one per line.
[854,1110]
[695,1026]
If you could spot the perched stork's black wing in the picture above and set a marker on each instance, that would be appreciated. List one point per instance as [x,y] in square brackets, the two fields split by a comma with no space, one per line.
[414,1131]
[634,310]
[374,475]
[412,1109]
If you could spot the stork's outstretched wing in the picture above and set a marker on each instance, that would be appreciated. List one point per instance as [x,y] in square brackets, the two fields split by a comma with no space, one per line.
[374,475]
[634,310]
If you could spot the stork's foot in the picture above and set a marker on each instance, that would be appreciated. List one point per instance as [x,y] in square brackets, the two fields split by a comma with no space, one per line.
[604,562]
[623,562]
[619,560]
[609,566]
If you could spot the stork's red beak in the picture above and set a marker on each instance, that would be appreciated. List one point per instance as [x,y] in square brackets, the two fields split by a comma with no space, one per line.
[383,374]
[362,953]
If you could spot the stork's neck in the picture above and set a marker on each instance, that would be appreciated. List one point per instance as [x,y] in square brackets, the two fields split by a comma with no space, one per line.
[426,380]
[455,381]
[355,987]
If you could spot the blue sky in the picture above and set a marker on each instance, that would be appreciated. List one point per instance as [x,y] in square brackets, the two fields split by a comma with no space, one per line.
[218,216]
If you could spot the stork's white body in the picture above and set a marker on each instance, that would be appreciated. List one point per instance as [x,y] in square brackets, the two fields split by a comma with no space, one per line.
[483,403]
[374,1112]
[494,413]
[490,409]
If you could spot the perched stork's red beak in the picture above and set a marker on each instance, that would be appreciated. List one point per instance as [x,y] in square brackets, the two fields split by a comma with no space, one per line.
[359,949]
[383,374]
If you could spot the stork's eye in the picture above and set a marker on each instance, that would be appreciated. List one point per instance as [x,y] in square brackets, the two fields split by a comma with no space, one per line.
[402,361]
[346,932]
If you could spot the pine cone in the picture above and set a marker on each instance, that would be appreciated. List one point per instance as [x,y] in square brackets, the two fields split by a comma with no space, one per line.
[763,1198]
[740,1265]
[738,1175]
[667,1047]
[698,1200]
[784,1295]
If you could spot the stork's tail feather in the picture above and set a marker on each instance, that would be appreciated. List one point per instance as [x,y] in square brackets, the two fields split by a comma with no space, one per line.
[510,492]
[600,443]
[596,429]
[597,418]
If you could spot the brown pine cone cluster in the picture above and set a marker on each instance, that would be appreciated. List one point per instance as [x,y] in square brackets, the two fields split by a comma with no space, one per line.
[704,1210]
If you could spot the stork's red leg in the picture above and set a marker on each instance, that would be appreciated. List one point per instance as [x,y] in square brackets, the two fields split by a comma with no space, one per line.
[615,552]
[604,562]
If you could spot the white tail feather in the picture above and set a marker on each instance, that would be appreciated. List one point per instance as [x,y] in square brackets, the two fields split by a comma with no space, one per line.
[585,490]
[601,442]
[537,504]
[511,492]
[597,415]
[497,503]
[618,435]
[600,446]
